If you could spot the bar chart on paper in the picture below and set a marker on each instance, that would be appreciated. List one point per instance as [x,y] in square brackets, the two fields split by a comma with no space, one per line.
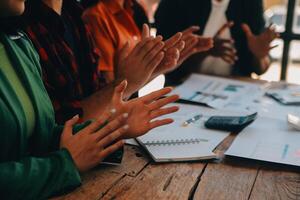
[220,93]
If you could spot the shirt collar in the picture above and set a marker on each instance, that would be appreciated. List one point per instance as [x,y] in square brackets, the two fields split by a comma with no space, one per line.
[45,15]
[40,12]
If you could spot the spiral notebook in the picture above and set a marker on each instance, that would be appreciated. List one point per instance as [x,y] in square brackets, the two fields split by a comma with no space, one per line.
[186,139]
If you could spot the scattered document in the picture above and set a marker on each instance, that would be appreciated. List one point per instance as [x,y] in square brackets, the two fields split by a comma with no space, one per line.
[220,93]
[186,138]
[268,139]
[287,94]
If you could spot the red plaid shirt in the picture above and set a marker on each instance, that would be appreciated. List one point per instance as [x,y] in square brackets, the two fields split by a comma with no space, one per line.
[68,79]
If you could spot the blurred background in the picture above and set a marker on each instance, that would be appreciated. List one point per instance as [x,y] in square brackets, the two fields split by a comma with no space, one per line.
[285,14]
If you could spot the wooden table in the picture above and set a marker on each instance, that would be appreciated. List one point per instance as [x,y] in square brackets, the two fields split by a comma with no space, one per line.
[228,178]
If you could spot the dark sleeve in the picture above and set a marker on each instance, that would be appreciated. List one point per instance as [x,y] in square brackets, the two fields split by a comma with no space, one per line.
[169,18]
[256,21]
[251,13]
[38,177]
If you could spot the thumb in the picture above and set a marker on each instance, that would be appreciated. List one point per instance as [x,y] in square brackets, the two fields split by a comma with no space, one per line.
[119,91]
[124,52]
[247,30]
[68,127]
[145,32]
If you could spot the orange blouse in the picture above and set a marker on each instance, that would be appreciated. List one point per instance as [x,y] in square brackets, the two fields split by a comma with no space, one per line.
[112,27]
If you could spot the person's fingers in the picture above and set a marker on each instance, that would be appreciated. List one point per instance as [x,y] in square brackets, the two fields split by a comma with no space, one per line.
[155,62]
[111,126]
[224,41]
[190,30]
[163,111]
[68,127]
[149,98]
[272,34]
[188,51]
[145,31]
[153,53]
[119,91]
[180,45]
[223,28]
[231,54]
[162,102]
[228,59]
[124,52]
[172,41]
[190,42]
[140,45]
[111,149]
[171,57]
[95,125]
[162,122]
[247,30]
[204,43]
[272,47]
[112,137]
[148,47]
[228,48]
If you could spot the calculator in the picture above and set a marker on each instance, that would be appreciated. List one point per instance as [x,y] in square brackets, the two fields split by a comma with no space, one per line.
[230,123]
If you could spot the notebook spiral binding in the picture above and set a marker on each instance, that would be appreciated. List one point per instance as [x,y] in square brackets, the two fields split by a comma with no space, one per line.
[175,142]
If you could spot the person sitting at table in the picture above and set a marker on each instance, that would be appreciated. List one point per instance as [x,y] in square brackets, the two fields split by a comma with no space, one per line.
[241,41]
[38,158]
[69,59]
[116,24]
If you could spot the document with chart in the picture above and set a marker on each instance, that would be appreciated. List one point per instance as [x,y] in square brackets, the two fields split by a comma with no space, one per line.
[268,139]
[186,139]
[220,93]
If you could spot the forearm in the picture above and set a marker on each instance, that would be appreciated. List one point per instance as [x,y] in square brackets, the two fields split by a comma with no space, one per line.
[94,105]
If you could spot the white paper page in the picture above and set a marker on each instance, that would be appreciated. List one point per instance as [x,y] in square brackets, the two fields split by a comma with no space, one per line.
[177,133]
[131,142]
[219,92]
[268,140]
[287,93]
[189,152]
[176,130]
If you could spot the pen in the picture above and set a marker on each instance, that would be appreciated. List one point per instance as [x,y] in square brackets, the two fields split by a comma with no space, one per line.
[192,120]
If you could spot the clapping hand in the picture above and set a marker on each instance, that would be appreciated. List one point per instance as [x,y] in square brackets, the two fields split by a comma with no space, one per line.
[95,142]
[143,111]
[194,43]
[224,48]
[137,65]
[259,45]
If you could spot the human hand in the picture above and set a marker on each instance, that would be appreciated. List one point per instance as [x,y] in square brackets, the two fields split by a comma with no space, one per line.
[224,48]
[172,49]
[91,145]
[194,43]
[137,65]
[142,111]
[259,45]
